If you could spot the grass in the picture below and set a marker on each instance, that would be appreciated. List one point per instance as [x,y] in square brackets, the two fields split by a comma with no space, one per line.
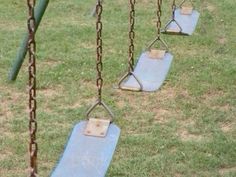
[187,128]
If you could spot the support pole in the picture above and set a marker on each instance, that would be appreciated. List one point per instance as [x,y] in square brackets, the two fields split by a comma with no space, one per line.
[39,12]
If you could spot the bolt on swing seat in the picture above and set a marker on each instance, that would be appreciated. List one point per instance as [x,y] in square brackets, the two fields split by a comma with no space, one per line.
[90,148]
[184,20]
[151,70]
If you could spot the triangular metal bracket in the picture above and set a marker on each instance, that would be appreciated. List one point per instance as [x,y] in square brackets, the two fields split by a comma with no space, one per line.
[130,88]
[158,39]
[166,30]
[100,103]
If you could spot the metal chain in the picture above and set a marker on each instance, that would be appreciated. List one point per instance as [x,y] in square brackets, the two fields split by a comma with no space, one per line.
[173,9]
[159,3]
[33,146]
[99,64]
[131,35]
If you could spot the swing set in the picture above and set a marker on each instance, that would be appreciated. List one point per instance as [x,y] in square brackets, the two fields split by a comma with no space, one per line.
[93,141]
[154,63]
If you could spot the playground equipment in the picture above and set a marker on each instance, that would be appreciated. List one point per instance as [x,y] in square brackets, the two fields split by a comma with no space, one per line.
[184,19]
[153,64]
[39,12]
[92,143]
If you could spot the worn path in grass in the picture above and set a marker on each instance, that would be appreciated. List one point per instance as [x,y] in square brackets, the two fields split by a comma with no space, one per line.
[188,128]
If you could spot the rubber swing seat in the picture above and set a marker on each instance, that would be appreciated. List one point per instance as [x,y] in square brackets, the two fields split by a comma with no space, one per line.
[87,156]
[151,72]
[187,22]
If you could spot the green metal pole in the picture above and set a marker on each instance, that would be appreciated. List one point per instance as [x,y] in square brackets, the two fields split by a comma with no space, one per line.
[40,9]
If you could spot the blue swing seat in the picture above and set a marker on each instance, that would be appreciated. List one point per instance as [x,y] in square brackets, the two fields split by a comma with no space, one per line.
[87,156]
[151,73]
[187,22]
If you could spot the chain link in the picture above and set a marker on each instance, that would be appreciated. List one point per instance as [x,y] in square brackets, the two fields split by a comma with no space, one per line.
[173,9]
[131,35]
[99,64]
[33,146]
[159,3]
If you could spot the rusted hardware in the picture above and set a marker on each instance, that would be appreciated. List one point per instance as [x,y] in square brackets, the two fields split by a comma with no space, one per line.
[158,25]
[131,51]
[33,146]
[99,65]
[131,36]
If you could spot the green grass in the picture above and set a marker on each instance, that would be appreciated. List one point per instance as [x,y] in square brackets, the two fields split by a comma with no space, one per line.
[187,128]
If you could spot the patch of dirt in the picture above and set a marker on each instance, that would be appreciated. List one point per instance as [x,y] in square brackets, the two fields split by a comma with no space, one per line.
[5,111]
[87,45]
[5,154]
[11,26]
[211,96]
[177,175]
[50,92]
[50,62]
[210,7]
[5,132]
[226,170]
[186,136]
[173,149]
[82,102]
[7,102]
[145,1]
[121,103]
[75,105]
[184,94]
[213,93]
[167,93]
[226,127]
[222,40]
[133,99]
[14,171]
[89,85]
[186,122]
[226,107]
[147,104]
[162,115]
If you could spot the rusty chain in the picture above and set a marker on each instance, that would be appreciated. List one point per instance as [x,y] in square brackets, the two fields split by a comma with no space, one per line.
[173,9]
[131,48]
[131,35]
[158,24]
[33,146]
[99,64]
